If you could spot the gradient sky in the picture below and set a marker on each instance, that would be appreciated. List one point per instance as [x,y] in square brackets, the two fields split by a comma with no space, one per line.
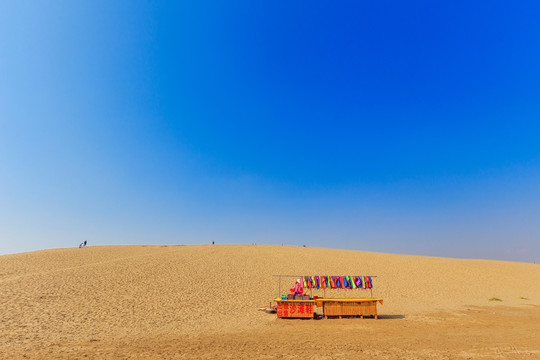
[402,127]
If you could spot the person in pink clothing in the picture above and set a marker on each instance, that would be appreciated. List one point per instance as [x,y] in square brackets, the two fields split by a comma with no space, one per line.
[298,288]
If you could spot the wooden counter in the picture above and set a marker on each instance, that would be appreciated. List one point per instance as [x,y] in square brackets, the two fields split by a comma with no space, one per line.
[349,307]
[304,309]
[299,309]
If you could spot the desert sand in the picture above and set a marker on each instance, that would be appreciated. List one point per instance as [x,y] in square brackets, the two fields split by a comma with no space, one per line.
[201,302]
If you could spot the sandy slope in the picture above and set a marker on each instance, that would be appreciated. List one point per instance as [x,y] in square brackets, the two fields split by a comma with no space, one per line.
[56,297]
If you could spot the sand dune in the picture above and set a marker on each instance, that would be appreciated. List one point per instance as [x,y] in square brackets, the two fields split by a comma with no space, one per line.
[55,300]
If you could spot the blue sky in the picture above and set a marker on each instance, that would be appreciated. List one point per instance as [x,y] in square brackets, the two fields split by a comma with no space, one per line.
[383,126]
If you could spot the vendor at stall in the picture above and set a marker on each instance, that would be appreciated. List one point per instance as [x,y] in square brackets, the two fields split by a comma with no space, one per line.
[298,288]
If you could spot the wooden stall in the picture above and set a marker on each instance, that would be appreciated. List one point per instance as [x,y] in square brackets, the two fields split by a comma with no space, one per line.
[349,307]
[295,309]
[300,305]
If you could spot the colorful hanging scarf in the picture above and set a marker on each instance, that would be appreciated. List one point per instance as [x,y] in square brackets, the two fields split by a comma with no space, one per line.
[336,282]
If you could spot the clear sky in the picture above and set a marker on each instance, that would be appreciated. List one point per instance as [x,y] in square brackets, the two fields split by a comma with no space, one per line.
[403,127]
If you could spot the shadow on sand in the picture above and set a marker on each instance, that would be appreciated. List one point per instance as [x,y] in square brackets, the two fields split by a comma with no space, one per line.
[391,317]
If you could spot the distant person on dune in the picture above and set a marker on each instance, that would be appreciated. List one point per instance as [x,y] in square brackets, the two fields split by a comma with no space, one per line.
[84,243]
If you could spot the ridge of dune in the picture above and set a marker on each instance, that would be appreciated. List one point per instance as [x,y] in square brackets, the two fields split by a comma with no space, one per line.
[51,296]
